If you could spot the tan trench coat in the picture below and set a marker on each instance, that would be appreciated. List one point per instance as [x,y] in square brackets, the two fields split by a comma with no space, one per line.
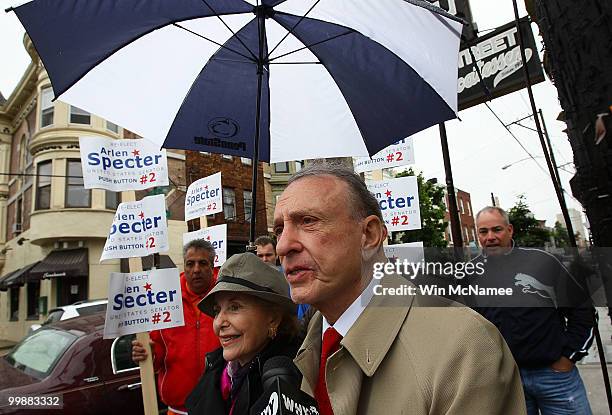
[416,355]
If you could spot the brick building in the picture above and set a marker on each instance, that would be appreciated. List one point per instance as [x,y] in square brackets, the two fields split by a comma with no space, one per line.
[236,173]
[466,218]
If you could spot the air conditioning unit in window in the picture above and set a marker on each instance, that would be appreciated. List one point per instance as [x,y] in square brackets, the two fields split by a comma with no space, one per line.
[17,227]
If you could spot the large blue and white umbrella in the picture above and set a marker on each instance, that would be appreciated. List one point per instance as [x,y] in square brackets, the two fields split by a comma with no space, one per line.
[321,78]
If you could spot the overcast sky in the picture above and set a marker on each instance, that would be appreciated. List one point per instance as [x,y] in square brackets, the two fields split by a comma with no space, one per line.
[479,144]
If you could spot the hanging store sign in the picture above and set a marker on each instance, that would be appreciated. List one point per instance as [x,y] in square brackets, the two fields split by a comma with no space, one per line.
[498,58]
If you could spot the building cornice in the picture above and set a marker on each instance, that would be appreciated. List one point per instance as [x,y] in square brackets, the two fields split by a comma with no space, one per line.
[62,138]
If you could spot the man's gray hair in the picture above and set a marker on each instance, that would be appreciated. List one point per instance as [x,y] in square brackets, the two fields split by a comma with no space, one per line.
[496,209]
[202,244]
[362,201]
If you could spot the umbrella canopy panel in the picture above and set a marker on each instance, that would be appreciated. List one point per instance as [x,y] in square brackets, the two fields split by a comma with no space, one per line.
[342,78]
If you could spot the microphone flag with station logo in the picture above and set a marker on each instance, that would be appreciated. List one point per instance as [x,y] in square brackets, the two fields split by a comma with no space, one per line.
[282,395]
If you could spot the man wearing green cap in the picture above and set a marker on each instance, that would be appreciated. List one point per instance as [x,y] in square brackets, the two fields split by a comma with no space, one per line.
[378,354]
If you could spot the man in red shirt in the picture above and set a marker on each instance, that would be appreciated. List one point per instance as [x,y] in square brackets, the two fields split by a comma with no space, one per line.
[179,352]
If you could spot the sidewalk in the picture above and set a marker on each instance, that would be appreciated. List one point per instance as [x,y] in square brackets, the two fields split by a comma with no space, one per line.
[590,368]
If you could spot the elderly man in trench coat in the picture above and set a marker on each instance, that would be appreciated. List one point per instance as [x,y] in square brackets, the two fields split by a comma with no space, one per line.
[367,353]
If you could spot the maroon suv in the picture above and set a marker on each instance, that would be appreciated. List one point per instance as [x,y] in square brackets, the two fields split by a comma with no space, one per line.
[70,359]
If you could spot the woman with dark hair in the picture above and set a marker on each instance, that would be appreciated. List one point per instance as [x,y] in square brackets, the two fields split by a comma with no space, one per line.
[254,319]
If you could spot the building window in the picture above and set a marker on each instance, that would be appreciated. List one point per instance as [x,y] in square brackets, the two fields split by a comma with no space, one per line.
[299,165]
[46,107]
[33,294]
[469,208]
[229,204]
[76,194]
[122,354]
[246,160]
[18,216]
[281,167]
[112,199]
[79,116]
[14,310]
[248,204]
[24,155]
[43,185]
[110,126]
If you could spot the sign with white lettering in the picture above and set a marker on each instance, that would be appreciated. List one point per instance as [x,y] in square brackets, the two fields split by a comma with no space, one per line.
[143,301]
[410,251]
[204,197]
[398,154]
[498,58]
[138,229]
[399,202]
[120,165]
[216,235]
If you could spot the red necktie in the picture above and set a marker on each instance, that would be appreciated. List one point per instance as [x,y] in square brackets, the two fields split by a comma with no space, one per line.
[331,343]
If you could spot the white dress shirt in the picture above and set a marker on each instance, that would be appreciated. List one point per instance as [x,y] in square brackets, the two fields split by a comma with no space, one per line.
[351,314]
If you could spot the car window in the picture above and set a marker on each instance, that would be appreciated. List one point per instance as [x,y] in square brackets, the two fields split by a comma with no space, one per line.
[38,354]
[91,309]
[54,316]
[121,353]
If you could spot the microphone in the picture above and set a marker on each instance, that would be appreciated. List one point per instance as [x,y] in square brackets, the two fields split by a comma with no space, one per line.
[280,367]
[282,395]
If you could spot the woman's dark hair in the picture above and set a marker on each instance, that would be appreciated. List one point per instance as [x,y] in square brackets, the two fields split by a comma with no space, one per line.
[289,327]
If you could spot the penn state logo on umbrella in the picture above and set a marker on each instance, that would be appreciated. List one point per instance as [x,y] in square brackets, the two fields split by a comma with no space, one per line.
[223,127]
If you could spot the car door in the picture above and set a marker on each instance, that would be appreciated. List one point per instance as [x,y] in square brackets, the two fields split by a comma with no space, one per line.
[81,377]
[122,381]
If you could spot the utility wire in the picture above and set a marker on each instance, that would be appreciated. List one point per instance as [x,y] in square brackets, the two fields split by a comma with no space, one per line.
[515,138]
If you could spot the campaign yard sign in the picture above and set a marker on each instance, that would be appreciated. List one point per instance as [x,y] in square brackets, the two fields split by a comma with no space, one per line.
[121,165]
[204,197]
[399,202]
[143,301]
[400,153]
[216,235]
[139,229]
[410,251]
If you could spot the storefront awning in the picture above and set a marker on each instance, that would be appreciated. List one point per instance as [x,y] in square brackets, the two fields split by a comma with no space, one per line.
[16,278]
[62,263]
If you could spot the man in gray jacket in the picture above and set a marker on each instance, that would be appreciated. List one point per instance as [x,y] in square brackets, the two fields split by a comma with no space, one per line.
[368,353]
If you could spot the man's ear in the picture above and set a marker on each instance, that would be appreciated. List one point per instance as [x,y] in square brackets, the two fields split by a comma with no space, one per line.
[511,229]
[374,232]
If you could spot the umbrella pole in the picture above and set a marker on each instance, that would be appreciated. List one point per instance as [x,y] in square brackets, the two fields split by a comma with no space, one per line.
[260,70]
